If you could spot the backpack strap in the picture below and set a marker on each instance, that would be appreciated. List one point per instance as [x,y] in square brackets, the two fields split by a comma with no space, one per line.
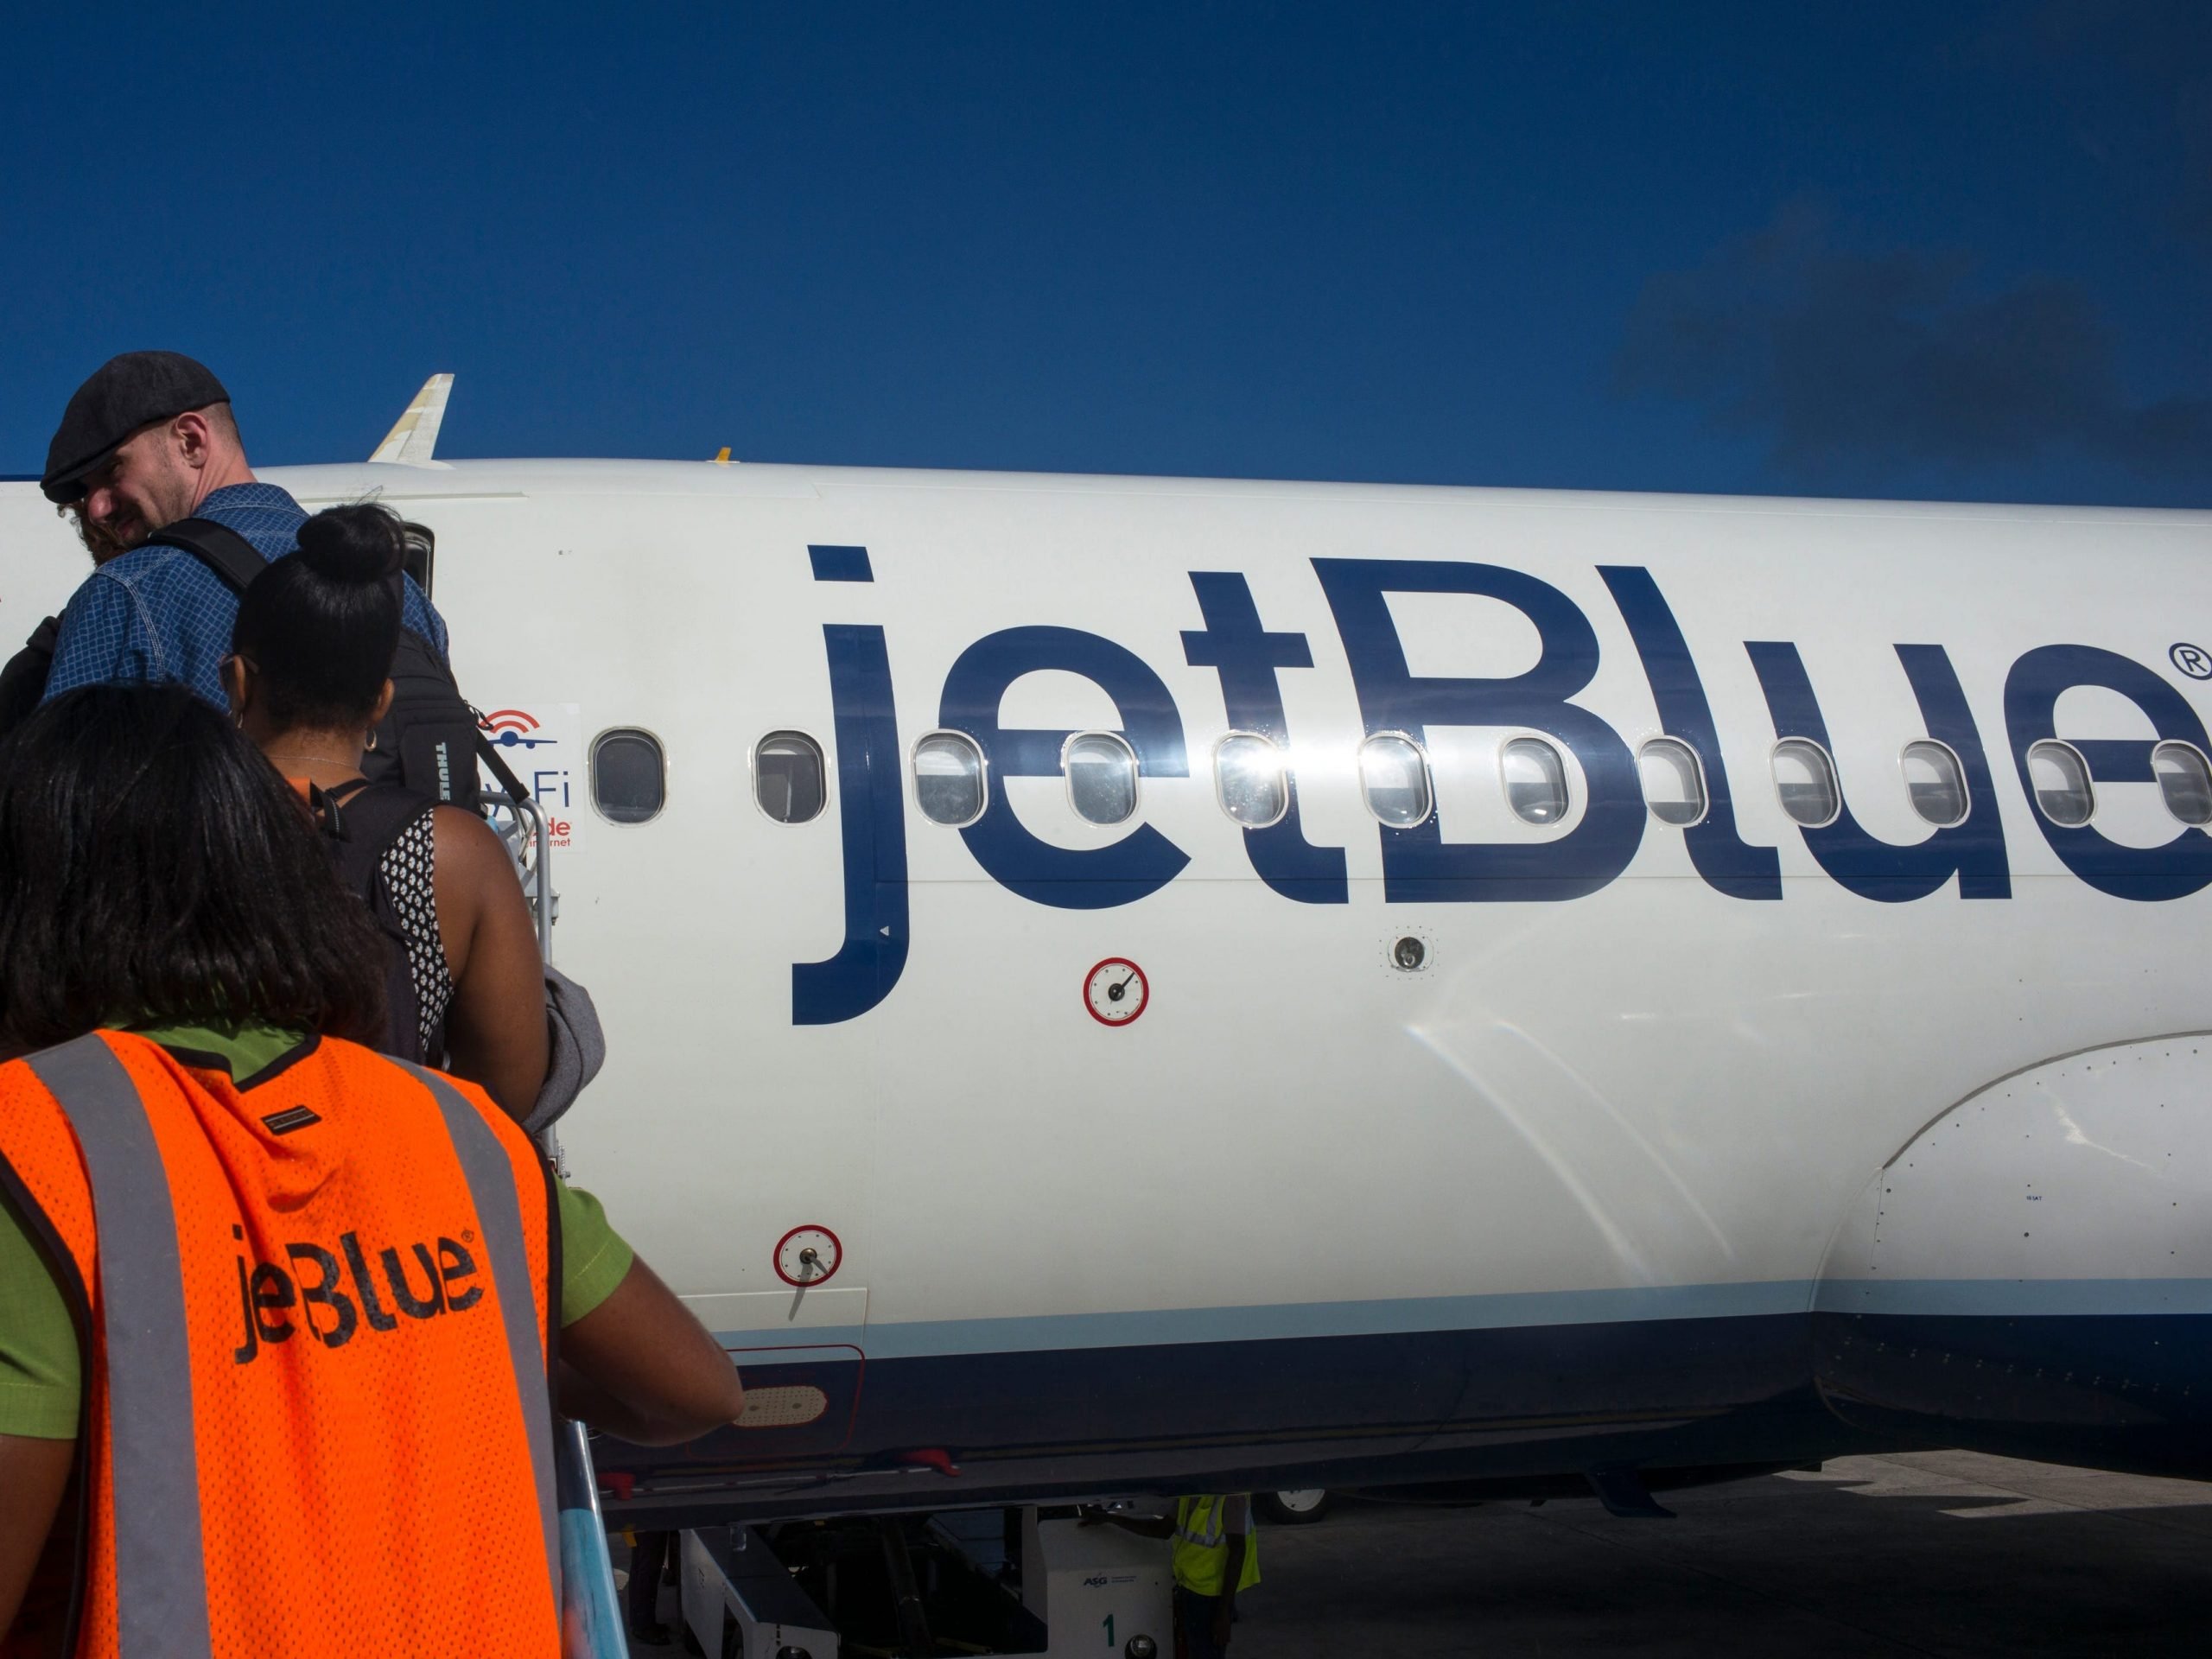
[501,769]
[365,819]
[219,547]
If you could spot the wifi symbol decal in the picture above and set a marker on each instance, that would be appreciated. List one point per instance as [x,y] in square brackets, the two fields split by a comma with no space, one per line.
[511,728]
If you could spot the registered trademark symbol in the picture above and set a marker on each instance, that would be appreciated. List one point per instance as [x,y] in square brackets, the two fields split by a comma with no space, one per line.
[2193,660]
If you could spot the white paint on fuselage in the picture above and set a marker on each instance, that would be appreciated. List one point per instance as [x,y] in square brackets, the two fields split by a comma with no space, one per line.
[1652,1088]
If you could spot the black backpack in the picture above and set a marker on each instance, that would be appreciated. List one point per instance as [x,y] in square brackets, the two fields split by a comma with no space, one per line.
[22,682]
[428,740]
[362,821]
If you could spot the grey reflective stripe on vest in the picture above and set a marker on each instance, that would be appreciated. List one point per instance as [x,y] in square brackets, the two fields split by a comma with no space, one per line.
[1207,1512]
[491,1177]
[160,1581]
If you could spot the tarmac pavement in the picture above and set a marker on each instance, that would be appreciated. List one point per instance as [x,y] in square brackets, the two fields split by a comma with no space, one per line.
[1947,1552]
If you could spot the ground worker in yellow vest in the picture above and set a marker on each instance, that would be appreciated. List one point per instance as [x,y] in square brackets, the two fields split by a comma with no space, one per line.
[278,1315]
[1216,1555]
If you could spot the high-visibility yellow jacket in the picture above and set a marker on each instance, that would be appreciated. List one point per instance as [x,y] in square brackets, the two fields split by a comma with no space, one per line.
[1201,1547]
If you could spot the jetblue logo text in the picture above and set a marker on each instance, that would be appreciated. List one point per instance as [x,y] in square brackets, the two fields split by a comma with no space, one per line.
[331,1297]
[1247,651]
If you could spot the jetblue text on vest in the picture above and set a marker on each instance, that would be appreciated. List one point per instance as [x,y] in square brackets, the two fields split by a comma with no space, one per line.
[335,1293]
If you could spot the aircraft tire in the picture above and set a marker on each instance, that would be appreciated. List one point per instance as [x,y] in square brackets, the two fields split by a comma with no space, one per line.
[1298,1508]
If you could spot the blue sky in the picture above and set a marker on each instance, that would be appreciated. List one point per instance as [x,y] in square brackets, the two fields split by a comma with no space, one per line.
[1933,249]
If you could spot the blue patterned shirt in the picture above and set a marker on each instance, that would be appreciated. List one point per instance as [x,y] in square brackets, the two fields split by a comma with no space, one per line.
[157,616]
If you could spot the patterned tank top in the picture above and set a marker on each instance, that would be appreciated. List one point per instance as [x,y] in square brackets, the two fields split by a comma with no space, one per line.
[409,871]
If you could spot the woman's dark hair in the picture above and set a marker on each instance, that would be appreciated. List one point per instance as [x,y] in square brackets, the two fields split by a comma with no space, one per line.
[155,868]
[320,626]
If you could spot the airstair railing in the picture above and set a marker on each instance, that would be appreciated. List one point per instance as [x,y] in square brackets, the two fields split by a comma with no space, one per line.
[536,872]
[591,1620]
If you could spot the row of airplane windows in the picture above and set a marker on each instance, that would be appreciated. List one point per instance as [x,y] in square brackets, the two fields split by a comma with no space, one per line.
[1252,780]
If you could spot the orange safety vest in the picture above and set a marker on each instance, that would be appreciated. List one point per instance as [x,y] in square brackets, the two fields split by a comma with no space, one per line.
[317,1316]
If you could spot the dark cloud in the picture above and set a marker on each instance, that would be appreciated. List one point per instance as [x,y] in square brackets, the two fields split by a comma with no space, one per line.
[1891,362]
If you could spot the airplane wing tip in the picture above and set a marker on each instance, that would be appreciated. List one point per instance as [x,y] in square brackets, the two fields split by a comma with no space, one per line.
[413,438]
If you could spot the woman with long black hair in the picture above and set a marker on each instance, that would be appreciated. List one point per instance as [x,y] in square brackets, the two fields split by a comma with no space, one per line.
[281,1312]
[307,680]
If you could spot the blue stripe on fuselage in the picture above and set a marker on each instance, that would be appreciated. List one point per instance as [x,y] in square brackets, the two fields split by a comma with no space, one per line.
[1039,1333]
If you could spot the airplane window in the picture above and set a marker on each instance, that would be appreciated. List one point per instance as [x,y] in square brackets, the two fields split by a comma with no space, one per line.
[1102,773]
[1674,782]
[788,777]
[949,783]
[1937,783]
[629,781]
[2185,780]
[1804,777]
[1394,775]
[1249,780]
[2060,778]
[1535,781]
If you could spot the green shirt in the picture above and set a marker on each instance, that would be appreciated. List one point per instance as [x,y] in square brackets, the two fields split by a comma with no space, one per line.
[40,1374]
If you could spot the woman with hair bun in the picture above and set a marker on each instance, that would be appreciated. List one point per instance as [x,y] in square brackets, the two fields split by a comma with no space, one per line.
[308,680]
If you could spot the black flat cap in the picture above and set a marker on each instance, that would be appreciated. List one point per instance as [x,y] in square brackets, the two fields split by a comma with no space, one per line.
[125,393]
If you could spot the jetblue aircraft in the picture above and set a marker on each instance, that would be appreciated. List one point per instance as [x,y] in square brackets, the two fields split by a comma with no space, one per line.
[1120,984]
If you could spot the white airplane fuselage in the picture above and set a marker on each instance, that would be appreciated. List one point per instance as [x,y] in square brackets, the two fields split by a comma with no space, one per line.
[1662,1147]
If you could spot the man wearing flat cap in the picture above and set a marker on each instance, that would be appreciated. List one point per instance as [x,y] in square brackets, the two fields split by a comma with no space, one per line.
[147,442]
